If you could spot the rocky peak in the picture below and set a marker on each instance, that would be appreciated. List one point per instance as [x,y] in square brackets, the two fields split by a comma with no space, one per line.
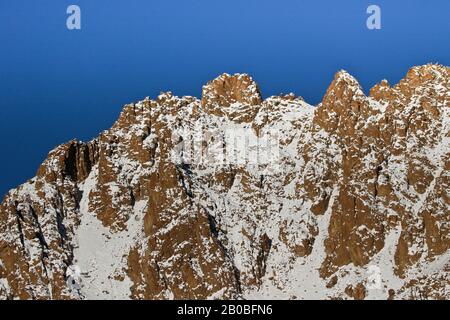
[381,90]
[359,186]
[342,100]
[343,89]
[420,75]
[232,95]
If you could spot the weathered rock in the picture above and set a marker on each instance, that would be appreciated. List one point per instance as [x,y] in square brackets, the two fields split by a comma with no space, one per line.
[154,209]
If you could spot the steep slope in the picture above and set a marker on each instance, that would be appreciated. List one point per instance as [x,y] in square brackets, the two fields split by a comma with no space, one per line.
[233,196]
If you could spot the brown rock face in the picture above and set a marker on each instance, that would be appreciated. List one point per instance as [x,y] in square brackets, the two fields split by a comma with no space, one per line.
[236,96]
[39,220]
[350,201]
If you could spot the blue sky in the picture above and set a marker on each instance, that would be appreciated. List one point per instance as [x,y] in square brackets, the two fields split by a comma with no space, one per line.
[57,84]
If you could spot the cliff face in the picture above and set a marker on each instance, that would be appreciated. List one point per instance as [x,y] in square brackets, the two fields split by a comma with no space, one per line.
[348,199]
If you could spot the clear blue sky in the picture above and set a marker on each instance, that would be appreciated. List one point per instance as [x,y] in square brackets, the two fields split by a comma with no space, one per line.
[57,84]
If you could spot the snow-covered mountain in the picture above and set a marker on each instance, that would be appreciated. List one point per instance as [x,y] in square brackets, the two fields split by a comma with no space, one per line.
[233,196]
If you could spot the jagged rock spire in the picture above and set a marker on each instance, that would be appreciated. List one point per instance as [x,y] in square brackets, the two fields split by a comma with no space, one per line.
[229,94]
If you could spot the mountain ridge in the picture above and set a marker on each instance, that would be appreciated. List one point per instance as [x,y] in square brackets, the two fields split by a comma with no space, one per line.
[353,205]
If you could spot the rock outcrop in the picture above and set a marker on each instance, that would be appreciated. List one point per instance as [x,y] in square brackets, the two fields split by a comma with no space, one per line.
[233,196]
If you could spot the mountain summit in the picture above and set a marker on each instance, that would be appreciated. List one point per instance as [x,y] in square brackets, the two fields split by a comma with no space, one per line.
[236,197]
